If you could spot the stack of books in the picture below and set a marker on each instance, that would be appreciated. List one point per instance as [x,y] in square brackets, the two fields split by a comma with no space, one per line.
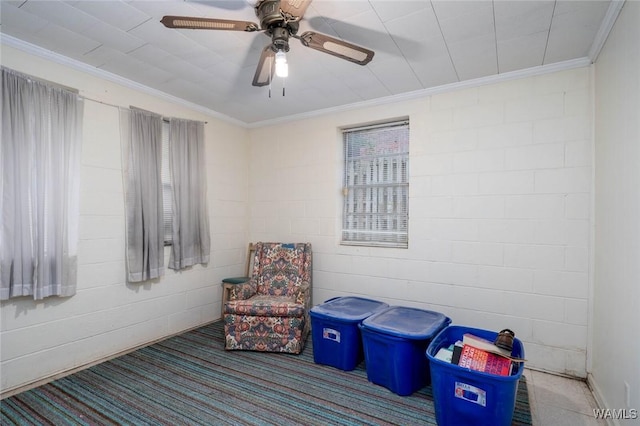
[478,354]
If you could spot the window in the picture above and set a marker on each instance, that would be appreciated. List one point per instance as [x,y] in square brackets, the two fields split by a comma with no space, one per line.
[173,206]
[376,185]
[166,184]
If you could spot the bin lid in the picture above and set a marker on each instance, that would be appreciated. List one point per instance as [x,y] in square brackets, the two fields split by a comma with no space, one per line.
[411,323]
[349,308]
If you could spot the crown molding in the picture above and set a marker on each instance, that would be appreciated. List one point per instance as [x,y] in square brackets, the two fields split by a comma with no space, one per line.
[417,94]
[605,28]
[601,37]
[492,79]
[106,75]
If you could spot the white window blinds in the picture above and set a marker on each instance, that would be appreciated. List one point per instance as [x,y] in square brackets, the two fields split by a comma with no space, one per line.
[167,193]
[376,185]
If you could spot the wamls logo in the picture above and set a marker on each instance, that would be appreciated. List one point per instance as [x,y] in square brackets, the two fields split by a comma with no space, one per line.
[619,414]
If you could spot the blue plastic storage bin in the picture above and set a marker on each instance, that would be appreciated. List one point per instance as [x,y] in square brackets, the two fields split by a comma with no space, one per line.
[335,333]
[395,340]
[464,396]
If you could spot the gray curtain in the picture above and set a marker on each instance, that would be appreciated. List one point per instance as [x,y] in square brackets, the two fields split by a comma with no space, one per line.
[141,133]
[39,191]
[190,230]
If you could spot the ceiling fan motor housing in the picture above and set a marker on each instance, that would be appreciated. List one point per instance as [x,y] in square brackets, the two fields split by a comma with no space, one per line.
[275,24]
[268,11]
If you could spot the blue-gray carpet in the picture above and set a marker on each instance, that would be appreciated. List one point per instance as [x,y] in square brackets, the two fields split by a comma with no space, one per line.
[191,380]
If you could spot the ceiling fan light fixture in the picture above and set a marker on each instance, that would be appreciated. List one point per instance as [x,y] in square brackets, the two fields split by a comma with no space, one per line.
[282,68]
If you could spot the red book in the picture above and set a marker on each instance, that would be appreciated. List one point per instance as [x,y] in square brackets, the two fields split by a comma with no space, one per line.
[487,362]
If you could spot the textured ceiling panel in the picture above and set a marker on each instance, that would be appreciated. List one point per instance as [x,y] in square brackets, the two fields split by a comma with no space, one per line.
[418,45]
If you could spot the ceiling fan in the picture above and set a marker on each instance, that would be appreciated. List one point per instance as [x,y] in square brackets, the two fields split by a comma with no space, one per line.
[280,20]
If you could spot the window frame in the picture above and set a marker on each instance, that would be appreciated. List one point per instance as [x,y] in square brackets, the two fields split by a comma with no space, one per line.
[380,204]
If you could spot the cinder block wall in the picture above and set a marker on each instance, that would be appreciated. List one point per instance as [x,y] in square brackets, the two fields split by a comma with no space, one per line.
[500,214]
[107,315]
[500,209]
[615,376]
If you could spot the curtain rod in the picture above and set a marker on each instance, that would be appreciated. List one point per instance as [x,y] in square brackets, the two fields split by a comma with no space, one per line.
[394,123]
[128,108]
[77,92]
[42,80]
[163,117]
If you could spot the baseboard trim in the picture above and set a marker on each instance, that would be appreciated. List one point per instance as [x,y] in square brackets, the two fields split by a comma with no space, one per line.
[55,376]
[600,399]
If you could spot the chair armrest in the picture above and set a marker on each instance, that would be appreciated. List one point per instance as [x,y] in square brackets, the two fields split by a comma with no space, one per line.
[244,290]
[303,295]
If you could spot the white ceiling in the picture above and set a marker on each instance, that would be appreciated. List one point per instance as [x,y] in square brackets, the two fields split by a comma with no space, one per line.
[418,44]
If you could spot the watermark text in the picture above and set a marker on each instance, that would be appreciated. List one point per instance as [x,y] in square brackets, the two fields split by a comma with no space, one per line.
[617,414]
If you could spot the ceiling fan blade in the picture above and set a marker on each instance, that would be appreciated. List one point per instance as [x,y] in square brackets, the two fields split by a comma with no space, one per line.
[294,8]
[208,24]
[336,47]
[265,69]
[343,28]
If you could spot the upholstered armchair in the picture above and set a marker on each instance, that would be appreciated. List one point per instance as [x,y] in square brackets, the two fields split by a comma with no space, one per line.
[270,312]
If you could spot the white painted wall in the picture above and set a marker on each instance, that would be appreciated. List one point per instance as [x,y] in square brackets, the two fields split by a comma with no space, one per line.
[616,318]
[107,316]
[500,196]
[500,213]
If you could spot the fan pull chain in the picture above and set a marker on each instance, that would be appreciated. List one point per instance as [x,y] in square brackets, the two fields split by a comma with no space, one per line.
[270,77]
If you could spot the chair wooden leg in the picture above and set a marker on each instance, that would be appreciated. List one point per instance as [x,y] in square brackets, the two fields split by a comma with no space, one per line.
[249,263]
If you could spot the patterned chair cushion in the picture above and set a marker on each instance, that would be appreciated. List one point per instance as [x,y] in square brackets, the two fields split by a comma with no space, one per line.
[243,291]
[281,269]
[271,334]
[265,305]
